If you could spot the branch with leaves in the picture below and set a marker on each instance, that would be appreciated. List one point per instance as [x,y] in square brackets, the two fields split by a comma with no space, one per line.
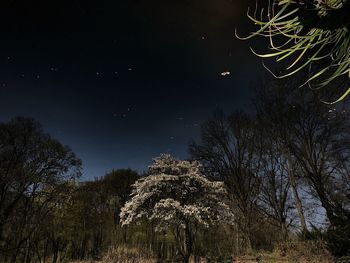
[310,34]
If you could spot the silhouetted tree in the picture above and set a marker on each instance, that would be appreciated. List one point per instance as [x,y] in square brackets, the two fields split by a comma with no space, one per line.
[316,139]
[273,101]
[33,170]
[228,152]
[118,184]
[275,195]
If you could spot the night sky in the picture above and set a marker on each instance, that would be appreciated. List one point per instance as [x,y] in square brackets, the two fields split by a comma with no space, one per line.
[121,81]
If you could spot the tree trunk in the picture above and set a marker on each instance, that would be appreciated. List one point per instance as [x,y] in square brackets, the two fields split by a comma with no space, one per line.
[297,199]
[55,248]
[325,201]
[188,243]
[28,251]
[125,240]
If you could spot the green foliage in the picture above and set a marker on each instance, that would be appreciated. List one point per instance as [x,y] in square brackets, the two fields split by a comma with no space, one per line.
[45,214]
[310,35]
[35,173]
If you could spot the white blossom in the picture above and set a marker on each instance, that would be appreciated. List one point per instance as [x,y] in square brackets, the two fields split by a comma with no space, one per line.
[176,192]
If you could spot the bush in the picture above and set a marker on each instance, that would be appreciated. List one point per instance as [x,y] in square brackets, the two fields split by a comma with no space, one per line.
[338,240]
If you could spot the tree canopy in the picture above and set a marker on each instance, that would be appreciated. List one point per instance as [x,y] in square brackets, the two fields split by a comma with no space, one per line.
[34,172]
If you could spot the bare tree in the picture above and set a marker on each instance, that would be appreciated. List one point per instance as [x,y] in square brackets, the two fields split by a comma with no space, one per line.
[228,152]
[317,143]
[275,189]
[274,103]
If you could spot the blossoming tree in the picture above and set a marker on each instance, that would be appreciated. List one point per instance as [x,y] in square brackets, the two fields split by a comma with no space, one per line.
[176,197]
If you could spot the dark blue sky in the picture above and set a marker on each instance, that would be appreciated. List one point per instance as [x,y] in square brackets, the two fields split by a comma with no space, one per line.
[122,81]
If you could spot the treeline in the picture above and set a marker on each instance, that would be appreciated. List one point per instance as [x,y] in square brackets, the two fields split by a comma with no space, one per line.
[287,164]
[46,215]
[285,167]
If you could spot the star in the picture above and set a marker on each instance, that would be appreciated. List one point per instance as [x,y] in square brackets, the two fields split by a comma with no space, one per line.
[225,73]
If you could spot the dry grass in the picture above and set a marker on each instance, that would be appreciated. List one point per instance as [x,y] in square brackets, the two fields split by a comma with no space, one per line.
[291,252]
[124,254]
[299,252]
